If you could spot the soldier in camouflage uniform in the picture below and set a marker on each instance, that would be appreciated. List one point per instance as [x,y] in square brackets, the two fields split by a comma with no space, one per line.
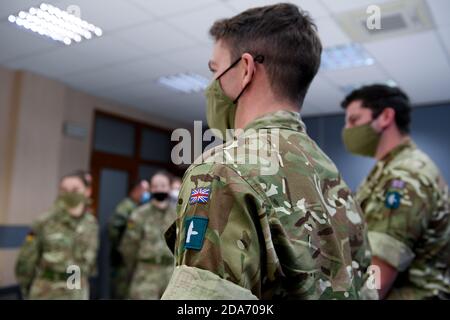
[266,215]
[404,198]
[61,246]
[148,260]
[139,195]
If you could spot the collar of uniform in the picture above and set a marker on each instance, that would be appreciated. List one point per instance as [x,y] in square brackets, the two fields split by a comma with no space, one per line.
[64,215]
[278,119]
[407,144]
[156,208]
[377,170]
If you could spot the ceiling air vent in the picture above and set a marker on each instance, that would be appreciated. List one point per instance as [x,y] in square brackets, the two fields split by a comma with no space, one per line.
[396,18]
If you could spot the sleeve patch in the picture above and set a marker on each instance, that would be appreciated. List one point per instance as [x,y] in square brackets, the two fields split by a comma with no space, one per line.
[30,236]
[392,200]
[195,232]
[199,195]
[398,184]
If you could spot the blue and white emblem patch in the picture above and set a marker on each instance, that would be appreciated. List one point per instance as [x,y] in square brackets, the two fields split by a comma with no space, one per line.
[392,200]
[195,232]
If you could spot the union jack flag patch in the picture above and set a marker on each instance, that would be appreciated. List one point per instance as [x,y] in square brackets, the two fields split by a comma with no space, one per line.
[199,195]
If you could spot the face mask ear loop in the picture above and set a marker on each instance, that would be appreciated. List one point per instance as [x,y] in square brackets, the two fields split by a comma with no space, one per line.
[258,59]
[230,67]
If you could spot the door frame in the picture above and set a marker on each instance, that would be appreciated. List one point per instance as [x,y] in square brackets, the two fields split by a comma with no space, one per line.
[101,160]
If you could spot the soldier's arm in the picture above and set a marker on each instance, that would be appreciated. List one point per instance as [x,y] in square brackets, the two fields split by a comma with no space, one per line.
[217,247]
[86,245]
[27,260]
[403,218]
[129,245]
[117,225]
[92,249]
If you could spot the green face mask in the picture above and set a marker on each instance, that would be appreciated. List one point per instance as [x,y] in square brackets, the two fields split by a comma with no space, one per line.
[220,109]
[72,199]
[362,140]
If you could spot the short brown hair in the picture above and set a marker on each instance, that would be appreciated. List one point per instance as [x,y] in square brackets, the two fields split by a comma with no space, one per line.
[285,36]
[162,173]
[83,176]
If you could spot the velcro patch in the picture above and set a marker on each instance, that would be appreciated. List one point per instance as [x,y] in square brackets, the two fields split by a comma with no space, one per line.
[199,195]
[398,184]
[195,232]
[30,236]
[392,200]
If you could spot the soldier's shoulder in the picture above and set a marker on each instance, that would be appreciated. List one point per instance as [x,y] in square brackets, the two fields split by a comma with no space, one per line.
[89,217]
[140,212]
[125,204]
[413,164]
[44,218]
[211,162]
[201,177]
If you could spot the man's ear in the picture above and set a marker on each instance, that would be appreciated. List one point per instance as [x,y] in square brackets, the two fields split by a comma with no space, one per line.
[249,68]
[386,118]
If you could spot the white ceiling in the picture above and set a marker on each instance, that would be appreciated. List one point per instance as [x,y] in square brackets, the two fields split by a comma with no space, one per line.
[145,39]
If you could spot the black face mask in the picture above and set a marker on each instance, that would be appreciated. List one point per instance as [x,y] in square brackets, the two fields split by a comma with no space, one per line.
[160,196]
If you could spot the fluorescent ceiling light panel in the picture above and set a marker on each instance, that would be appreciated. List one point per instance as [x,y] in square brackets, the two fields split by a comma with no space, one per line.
[185,82]
[47,20]
[345,56]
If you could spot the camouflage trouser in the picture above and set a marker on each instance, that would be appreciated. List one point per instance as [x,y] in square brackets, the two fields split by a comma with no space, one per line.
[149,281]
[119,283]
[44,289]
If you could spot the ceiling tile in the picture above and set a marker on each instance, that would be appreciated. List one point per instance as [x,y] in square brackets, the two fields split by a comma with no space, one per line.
[8,7]
[123,75]
[357,76]
[192,60]
[314,7]
[108,14]
[163,8]
[198,23]
[242,5]
[149,37]
[440,10]
[49,64]
[444,34]
[19,42]
[418,64]
[337,6]
[78,58]
[331,33]
[140,89]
